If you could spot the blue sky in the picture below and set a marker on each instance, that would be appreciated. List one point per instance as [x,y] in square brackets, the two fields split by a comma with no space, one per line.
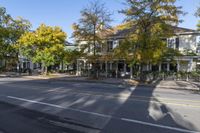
[64,13]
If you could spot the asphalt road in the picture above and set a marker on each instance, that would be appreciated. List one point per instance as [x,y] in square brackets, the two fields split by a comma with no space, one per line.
[15,119]
[42,106]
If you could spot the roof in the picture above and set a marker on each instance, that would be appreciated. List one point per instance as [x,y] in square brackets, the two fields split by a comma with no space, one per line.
[182,30]
[125,32]
[68,43]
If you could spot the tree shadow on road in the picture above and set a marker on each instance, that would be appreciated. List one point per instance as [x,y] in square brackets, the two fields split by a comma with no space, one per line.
[81,100]
[142,108]
[140,105]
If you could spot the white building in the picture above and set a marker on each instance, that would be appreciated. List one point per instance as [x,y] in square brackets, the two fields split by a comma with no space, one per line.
[184,40]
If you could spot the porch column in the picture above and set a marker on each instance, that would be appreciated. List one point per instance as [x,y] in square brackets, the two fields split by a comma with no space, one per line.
[147,67]
[22,66]
[131,72]
[101,66]
[61,66]
[160,67]
[150,67]
[178,66]
[190,65]
[110,65]
[18,66]
[84,64]
[116,71]
[168,66]
[88,67]
[77,68]
[106,67]
[124,68]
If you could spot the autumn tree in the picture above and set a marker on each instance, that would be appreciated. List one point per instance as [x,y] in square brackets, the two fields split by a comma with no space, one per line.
[45,45]
[151,21]
[94,22]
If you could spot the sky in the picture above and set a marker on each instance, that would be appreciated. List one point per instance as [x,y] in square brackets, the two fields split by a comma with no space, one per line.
[64,13]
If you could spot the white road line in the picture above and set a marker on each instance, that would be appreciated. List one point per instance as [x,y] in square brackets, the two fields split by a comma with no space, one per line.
[36,102]
[124,96]
[160,126]
[58,106]
[134,98]
[106,116]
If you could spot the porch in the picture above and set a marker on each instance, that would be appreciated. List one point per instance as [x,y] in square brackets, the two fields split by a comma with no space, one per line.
[120,69]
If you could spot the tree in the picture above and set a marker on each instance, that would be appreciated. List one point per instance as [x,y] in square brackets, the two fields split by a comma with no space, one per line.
[5,46]
[69,56]
[198,26]
[45,45]
[94,22]
[72,55]
[151,21]
[10,31]
[197,14]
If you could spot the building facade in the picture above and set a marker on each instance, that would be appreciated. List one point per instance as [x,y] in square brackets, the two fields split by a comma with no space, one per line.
[184,40]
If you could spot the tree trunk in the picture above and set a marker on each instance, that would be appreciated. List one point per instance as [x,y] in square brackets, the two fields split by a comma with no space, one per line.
[95,73]
[62,66]
[142,75]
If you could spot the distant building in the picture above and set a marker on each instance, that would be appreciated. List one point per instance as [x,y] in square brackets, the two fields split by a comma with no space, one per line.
[24,64]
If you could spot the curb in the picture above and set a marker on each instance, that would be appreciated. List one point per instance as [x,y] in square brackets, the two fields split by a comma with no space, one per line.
[82,81]
[180,88]
[89,81]
[126,83]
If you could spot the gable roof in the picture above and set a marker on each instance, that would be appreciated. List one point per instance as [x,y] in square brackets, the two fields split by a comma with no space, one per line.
[182,30]
[125,32]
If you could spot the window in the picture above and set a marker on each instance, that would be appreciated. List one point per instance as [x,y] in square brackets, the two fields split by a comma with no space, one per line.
[109,46]
[171,42]
[198,51]
[177,43]
[89,49]
[98,48]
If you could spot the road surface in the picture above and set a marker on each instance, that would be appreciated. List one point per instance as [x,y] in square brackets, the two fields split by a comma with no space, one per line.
[44,106]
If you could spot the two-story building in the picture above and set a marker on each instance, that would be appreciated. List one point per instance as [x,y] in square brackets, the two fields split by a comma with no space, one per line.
[185,40]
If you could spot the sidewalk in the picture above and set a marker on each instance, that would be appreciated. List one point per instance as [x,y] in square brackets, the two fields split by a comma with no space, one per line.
[181,85]
[164,84]
[63,77]
[12,74]
[7,74]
